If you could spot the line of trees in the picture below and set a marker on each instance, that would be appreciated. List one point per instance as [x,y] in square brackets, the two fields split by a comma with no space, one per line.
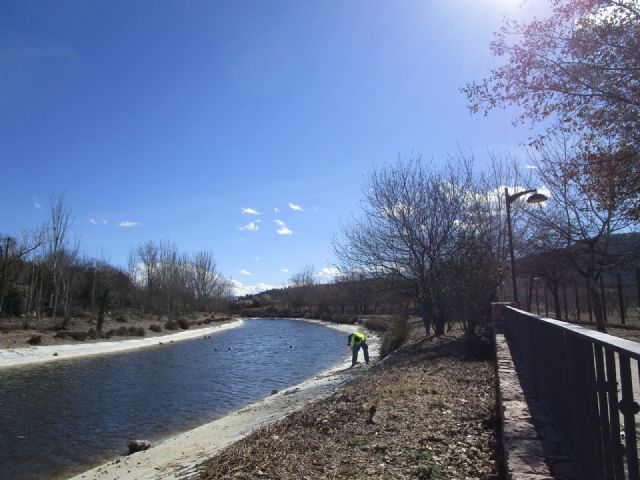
[172,283]
[43,275]
[343,299]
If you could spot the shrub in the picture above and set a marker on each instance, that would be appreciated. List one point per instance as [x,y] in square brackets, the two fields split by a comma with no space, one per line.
[171,325]
[35,340]
[378,324]
[121,319]
[92,334]
[122,332]
[136,331]
[79,336]
[479,346]
[155,327]
[184,324]
[395,336]
[342,318]
[110,333]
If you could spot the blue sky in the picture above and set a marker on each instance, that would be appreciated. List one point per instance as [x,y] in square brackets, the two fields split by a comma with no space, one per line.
[246,128]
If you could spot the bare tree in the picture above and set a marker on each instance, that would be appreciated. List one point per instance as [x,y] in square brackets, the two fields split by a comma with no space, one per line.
[168,273]
[13,252]
[413,219]
[580,224]
[305,277]
[149,258]
[68,263]
[60,223]
[204,277]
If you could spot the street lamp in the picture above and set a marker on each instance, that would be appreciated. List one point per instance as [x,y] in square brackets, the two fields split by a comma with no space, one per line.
[535,198]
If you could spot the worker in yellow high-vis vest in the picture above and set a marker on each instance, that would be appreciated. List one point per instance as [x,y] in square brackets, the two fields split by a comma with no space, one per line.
[356,341]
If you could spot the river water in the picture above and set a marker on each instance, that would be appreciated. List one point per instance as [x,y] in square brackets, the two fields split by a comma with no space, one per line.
[61,418]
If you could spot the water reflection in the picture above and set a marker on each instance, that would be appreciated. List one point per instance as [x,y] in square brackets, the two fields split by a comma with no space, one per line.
[61,418]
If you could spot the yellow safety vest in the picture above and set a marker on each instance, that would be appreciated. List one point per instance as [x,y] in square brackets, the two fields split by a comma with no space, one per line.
[357,338]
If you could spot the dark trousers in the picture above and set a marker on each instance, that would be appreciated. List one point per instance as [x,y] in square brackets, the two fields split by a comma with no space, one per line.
[356,349]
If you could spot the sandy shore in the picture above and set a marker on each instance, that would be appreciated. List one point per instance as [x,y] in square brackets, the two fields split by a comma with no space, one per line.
[49,353]
[177,456]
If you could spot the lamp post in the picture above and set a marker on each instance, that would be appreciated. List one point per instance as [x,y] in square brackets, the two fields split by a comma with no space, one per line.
[535,198]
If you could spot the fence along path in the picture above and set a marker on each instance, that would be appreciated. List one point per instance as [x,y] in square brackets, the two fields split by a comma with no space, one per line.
[590,382]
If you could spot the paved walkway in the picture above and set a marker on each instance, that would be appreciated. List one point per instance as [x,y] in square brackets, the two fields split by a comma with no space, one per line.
[532,446]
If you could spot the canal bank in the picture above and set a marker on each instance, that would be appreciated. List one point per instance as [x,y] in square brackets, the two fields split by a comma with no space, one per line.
[178,456]
[12,357]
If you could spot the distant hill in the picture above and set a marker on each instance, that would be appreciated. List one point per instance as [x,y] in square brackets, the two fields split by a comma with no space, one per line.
[620,245]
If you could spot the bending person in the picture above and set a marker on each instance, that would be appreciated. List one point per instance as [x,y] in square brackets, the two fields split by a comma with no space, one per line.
[355,341]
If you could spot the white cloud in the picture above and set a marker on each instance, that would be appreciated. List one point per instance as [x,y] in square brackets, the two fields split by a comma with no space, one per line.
[285,270]
[250,211]
[530,167]
[276,210]
[328,274]
[251,226]
[105,222]
[258,258]
[128,224]
[93,221]
[245,272]
[240,289]
[283,230]
[36,204]
[295,207]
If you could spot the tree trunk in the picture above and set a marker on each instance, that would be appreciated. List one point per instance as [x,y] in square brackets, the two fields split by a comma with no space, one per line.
[103,305]
[596,304]
[553,286]
[439,324]
[529,293]
[426,318]
[93,297]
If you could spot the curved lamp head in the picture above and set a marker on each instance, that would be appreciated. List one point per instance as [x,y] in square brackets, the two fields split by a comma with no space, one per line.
[537,198]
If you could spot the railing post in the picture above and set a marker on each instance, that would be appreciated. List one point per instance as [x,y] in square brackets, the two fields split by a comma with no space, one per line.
[601,386]
[629,408]
[614,418]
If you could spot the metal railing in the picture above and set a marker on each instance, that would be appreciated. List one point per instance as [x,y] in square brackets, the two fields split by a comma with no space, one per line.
[587,380]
